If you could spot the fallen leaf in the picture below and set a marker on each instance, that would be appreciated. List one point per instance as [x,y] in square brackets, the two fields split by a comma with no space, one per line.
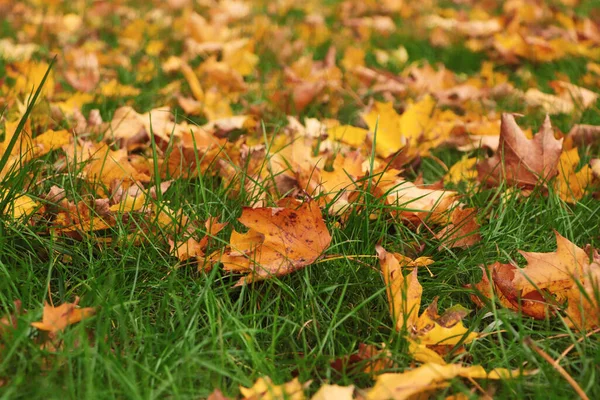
[410,202]
[546,283]
[56,319]
[428,378]
[265,389]
[571,185]
[280,241]
[462,171]
[582,134]
[393,131]
[462,230]
[521,161]
[334,392]
[426,331]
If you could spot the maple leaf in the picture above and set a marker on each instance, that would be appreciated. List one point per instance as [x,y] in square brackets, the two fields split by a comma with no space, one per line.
[411,202]
[429,377]
[396,131]
[521,161]
[56,319]
[21,206]
[265,389]
[571,185]
[547,281]
[192,248]
[280,241]
[335,186]
[463,170]
[428,330]
[462,230]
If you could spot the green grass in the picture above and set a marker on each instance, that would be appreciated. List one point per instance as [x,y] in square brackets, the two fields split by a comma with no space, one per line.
[164,330]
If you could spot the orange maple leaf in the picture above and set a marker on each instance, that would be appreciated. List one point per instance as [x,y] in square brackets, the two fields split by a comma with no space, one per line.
[280,241]
[564,278]
[56,319]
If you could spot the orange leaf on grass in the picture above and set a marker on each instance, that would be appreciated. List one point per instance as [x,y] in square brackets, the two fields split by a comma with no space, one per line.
[564,278]
[280,241]
[430,377]
[463,229]
[56,319]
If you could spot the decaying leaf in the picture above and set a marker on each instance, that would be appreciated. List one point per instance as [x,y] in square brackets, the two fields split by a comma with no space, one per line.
[280,241]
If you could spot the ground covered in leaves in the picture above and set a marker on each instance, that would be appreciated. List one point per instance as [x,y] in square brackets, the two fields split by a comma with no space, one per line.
[317,199]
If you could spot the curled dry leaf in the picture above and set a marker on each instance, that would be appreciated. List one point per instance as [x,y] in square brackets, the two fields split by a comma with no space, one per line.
[411,202]
[429,333]
[280,241]
[521,161]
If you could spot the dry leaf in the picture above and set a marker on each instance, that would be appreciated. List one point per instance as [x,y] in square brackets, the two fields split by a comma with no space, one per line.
[463,229]
[428,378]
[547,281]
[334,392]
[521,161]
[428,331]
[56,319]
[280,241]
[264,389]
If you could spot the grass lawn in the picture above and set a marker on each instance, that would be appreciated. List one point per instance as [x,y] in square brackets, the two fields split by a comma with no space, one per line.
[164,326]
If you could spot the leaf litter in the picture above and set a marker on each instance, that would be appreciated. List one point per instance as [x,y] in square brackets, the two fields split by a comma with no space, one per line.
[316,169]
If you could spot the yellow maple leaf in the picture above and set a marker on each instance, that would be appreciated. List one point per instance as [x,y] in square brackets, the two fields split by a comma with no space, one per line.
[265,389]
[429,328]
[113,88]
[393,131]
[429,377]
[571,185]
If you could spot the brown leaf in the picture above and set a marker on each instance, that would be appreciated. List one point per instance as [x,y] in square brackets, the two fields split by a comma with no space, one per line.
[547,281]
[463,229]
[585,134]
[280,241]
[521,161]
